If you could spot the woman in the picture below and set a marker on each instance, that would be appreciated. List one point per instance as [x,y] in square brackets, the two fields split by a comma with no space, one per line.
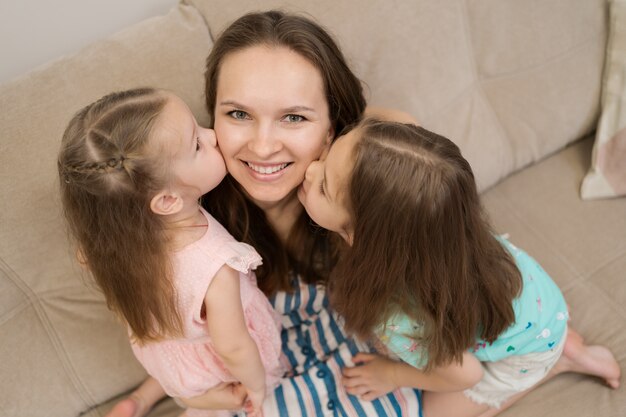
[278,91]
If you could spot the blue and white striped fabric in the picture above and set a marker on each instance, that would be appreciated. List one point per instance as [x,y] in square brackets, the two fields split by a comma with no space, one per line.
[317,348]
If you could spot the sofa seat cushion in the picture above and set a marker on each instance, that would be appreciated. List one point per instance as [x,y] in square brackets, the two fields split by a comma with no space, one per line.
[581,245]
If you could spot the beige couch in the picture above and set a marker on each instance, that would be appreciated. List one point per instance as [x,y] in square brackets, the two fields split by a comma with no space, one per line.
[515,83]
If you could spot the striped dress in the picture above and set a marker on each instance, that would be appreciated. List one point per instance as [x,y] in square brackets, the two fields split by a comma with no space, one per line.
[314,342]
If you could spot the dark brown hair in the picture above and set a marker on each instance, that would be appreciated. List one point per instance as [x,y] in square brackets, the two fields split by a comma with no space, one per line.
[422,244]
[107,180]
[306,251]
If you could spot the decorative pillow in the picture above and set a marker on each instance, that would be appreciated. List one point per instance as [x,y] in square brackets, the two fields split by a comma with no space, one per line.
[607,176]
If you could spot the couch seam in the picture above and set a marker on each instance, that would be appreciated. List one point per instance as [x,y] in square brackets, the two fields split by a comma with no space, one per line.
[8,315]
[508,146]
[50,330]
[543,63]
[590,281]
[204,19]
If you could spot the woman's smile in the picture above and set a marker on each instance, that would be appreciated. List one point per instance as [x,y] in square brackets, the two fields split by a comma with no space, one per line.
[266,171]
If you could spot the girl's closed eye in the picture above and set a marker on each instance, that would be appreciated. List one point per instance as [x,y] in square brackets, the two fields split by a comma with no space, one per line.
[322,188]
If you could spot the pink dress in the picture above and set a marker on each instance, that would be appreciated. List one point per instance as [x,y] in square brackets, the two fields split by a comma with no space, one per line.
[189,366]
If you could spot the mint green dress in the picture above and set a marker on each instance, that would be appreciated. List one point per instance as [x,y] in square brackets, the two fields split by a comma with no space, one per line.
[540,320]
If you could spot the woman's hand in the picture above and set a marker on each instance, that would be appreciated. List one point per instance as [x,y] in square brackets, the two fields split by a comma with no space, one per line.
[373,376]
[224,396]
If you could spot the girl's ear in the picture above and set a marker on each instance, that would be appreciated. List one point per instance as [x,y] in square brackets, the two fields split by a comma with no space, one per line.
[166,202]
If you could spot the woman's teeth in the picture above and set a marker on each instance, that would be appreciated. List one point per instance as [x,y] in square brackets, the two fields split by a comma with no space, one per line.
[266,169]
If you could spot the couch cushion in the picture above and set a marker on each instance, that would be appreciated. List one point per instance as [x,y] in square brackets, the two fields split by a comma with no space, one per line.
[581,245]
[509,81]
[61,349]
[607,176]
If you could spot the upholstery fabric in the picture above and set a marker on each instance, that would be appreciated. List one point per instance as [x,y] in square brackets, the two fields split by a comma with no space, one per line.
[607,176]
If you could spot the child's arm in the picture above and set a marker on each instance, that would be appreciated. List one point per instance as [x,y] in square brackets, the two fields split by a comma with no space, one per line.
[378,375]
[227,327]
[224,396]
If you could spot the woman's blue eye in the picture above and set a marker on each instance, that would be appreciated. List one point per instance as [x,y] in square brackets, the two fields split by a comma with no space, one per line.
[238,114]
[294,118]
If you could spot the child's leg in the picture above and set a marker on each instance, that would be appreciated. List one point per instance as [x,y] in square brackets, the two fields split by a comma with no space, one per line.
[140,401]
[577,357]
[586,359]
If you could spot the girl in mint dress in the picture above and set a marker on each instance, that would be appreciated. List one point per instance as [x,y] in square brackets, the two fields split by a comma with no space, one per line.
[458,311]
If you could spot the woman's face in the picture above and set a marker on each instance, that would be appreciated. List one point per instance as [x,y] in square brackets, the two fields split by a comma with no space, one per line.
[271,120]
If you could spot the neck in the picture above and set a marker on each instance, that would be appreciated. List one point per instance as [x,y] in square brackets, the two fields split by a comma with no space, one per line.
[186,226]
[282,214]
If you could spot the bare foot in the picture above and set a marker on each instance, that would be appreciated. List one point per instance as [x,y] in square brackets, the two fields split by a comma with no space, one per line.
[129,407]
[593,360]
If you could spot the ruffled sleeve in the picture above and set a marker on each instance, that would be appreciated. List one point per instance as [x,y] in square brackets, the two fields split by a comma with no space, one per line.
[241,256]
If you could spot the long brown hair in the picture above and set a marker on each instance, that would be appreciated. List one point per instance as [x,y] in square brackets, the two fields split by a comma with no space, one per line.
[107,180]
[422,244]
[307,251]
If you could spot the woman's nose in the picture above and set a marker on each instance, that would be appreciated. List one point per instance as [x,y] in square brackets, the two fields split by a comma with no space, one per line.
[264,143]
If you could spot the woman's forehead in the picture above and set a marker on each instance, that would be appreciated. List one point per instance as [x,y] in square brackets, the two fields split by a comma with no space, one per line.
[263,73]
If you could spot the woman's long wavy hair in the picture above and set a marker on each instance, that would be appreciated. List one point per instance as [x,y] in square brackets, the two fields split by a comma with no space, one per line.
[422,244]
[107,178]
[307,251]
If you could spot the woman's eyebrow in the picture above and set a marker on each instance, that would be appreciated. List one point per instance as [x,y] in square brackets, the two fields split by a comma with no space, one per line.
[296,109]
[233,103]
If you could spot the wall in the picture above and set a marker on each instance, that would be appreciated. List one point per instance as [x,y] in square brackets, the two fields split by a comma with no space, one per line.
[33,32]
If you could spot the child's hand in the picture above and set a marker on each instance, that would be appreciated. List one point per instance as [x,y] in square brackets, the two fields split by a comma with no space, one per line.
[373,378]
[254,402]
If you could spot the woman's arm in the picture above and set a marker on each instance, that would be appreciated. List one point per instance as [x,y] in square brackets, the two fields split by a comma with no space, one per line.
[232,342]
[377,375]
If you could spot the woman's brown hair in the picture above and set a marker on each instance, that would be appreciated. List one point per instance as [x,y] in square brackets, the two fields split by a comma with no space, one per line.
[422,244]
[307,250]
[107,180]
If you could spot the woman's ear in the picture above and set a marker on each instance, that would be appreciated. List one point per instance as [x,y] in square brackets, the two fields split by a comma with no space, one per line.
[166,203]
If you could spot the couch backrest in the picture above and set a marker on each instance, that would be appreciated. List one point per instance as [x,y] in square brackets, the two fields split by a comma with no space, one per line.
[510,81]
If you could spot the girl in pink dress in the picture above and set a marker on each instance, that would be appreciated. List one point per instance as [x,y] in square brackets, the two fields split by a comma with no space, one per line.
[132,168]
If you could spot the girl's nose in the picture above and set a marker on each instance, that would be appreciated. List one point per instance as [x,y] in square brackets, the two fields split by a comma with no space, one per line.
[310,171]
[210,136]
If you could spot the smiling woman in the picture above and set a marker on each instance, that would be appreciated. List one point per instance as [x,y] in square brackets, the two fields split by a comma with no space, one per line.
[277,90]
[270,122]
